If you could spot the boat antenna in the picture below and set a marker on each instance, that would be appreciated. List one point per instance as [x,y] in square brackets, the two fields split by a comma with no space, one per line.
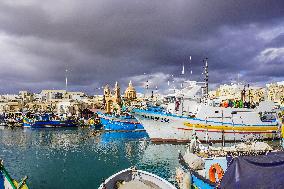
[66,79]
[182,72]
[190,64]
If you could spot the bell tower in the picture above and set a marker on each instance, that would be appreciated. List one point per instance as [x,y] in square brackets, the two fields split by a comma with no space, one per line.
[116,95]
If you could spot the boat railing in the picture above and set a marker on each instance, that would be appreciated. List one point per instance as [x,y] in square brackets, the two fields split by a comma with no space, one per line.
[21,185]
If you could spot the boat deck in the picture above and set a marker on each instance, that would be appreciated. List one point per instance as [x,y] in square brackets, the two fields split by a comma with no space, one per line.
[138,184]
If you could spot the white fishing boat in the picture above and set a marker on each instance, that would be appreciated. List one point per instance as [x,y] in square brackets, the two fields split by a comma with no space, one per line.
[209,124]
[189,113]
[132,178]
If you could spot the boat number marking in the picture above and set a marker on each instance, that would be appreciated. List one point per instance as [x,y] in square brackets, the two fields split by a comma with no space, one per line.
[157,118]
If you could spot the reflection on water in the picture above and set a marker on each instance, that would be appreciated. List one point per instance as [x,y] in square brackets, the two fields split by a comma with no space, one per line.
[76,158]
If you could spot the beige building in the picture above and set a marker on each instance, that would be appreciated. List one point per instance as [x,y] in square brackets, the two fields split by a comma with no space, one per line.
[275,92]
[239,92]
[26,96]
[48,95]
[226,92]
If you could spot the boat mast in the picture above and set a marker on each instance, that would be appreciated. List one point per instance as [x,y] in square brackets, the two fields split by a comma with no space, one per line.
[206,79]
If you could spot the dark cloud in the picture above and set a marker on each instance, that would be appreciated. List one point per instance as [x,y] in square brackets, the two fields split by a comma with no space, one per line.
[106,41]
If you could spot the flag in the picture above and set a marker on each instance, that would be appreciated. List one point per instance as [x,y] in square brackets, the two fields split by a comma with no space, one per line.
[182,72]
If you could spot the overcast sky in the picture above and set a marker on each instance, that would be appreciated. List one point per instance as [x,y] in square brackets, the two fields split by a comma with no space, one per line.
[103,41]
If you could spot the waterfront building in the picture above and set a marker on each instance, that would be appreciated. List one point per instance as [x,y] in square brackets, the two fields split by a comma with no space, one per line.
[233,91]
[276,92]
[26,96]
[13,106]
[10,106]
[9,97]
[239,92]
[51,95]
[75,95]
[48,95]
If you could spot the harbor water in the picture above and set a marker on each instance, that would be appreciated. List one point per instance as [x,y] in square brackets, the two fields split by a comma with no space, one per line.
[81,158]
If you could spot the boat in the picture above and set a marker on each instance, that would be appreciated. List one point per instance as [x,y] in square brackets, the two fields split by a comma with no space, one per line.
[189,112]
[210,123]
[89,118]
[12,119]
[122,122]
[2,120]
[94,122]
[249,166]
[107,137]
[47,120]
[7,182]
[132,178]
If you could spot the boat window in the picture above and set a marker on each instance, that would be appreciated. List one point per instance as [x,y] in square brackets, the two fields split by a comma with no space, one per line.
[268,118]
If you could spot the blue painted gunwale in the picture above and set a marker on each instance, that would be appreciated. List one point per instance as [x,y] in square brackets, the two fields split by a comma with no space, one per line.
[275,123]
[198,181]
[121,123]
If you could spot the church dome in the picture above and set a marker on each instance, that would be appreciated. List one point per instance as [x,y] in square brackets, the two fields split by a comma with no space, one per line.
[130,87]
[130,92]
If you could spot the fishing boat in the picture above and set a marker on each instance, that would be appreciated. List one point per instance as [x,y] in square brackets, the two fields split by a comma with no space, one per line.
[47,120]
[2,120]
[107,137]
[249,166]
[12,119]
[7,182]
[94,122]
[189,112]
[89,118]
[210,123]
[122,122]
[132,178]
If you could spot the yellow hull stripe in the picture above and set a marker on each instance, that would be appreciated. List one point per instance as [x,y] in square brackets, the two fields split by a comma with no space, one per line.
[236,128]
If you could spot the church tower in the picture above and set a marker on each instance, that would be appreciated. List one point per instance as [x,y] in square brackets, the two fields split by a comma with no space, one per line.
[106,96]
[116,95]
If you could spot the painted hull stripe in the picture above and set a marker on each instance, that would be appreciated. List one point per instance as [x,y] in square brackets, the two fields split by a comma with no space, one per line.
[237,128]
[220,131]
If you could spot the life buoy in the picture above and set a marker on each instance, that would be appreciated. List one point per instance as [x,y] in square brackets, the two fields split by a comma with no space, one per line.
[215,168]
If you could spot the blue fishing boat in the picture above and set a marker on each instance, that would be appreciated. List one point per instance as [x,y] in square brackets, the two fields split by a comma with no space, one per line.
[7,182]
[47,120]
[107,137]
[124,122]
[94,123]
[248,168]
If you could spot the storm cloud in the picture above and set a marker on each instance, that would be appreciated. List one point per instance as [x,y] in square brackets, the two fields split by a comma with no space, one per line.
[104,41]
